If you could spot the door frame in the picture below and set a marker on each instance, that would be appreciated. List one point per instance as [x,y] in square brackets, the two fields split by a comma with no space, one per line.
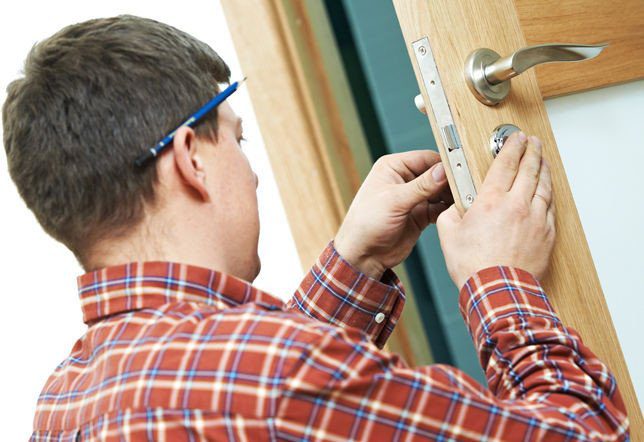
[311,130]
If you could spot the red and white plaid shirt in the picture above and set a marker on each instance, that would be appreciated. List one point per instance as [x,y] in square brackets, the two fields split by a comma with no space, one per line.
[180,353]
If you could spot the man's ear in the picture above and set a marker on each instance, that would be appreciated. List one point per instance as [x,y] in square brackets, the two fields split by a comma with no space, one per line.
[188,161]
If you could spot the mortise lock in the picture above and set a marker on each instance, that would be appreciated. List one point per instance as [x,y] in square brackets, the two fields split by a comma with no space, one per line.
[488,75]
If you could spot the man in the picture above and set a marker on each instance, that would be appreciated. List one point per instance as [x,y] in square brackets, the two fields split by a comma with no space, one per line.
[181,347]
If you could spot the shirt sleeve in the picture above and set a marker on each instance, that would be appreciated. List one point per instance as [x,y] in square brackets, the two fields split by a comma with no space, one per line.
[334,292]
[544,384]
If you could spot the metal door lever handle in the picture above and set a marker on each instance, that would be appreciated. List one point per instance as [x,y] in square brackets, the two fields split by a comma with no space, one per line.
[488,75]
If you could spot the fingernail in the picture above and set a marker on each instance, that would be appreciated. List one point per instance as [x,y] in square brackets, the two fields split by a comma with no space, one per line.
[536,141]
[522,137]
[439,173]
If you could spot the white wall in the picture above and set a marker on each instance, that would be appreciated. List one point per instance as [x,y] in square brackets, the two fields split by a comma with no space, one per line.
[40,316]
[600,135]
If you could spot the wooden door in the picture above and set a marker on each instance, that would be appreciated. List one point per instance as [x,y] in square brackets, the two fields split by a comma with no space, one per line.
[453,29]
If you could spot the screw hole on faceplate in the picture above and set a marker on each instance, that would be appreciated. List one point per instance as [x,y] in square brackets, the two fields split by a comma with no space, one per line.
[432,82]
[458,165]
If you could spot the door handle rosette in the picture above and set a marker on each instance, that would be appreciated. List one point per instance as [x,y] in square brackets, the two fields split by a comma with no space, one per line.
[488,75]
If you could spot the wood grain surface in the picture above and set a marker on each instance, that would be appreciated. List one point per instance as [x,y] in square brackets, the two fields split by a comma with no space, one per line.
[618,23]
[455,29]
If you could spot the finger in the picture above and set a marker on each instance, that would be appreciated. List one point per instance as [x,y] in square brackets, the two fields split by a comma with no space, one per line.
[543,194]
[551,219]
[443,197]
[448,219]
[426,187]
[446,196]
[527,179]
[506,165]
[420,215]
[411,164]
[435,210]
[427,213]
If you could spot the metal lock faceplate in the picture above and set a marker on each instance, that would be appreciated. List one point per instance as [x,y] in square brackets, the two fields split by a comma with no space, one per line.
[439,107]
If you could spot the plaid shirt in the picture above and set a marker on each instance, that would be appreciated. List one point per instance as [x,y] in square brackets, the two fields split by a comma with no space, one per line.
[175,352]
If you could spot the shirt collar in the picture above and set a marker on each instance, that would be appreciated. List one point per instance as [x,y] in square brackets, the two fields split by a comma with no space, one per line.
[142,285]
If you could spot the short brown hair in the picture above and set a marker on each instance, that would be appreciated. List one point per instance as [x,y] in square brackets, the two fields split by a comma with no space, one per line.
[93,97]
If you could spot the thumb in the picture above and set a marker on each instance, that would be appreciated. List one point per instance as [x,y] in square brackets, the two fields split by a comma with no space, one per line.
[427,186]
[448,219]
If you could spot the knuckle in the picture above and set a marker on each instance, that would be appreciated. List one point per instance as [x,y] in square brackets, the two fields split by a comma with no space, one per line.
[440,221]
[552,231]
[434,156]
[386,159]
[520,208]
[423,185]
[534,170]
[488,204]
[548,190]
[443,221]
[383,161]
[508,162]
[542,196]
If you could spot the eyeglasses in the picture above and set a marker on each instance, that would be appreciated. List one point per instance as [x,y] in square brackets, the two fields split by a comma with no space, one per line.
[195,118]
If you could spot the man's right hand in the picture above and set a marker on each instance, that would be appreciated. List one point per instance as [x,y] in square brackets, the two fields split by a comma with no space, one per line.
[511,222]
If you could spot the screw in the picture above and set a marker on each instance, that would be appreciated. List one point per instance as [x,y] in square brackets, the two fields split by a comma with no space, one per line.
[422,50]
[469,199]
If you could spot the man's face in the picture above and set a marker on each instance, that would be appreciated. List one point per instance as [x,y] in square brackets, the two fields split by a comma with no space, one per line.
[232,184]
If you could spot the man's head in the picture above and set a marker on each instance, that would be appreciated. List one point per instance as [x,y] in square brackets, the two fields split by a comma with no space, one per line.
[93,97]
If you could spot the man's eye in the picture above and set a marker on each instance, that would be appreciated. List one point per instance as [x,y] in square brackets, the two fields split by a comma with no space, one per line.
[241,140]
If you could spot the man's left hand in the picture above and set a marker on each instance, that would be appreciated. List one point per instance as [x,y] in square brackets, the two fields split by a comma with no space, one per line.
[402,195]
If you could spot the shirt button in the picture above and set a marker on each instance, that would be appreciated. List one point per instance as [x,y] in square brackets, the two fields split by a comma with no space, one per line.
[380,317]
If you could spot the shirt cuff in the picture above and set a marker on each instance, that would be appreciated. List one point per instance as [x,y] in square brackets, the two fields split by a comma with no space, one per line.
[335,292]
[493,295]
